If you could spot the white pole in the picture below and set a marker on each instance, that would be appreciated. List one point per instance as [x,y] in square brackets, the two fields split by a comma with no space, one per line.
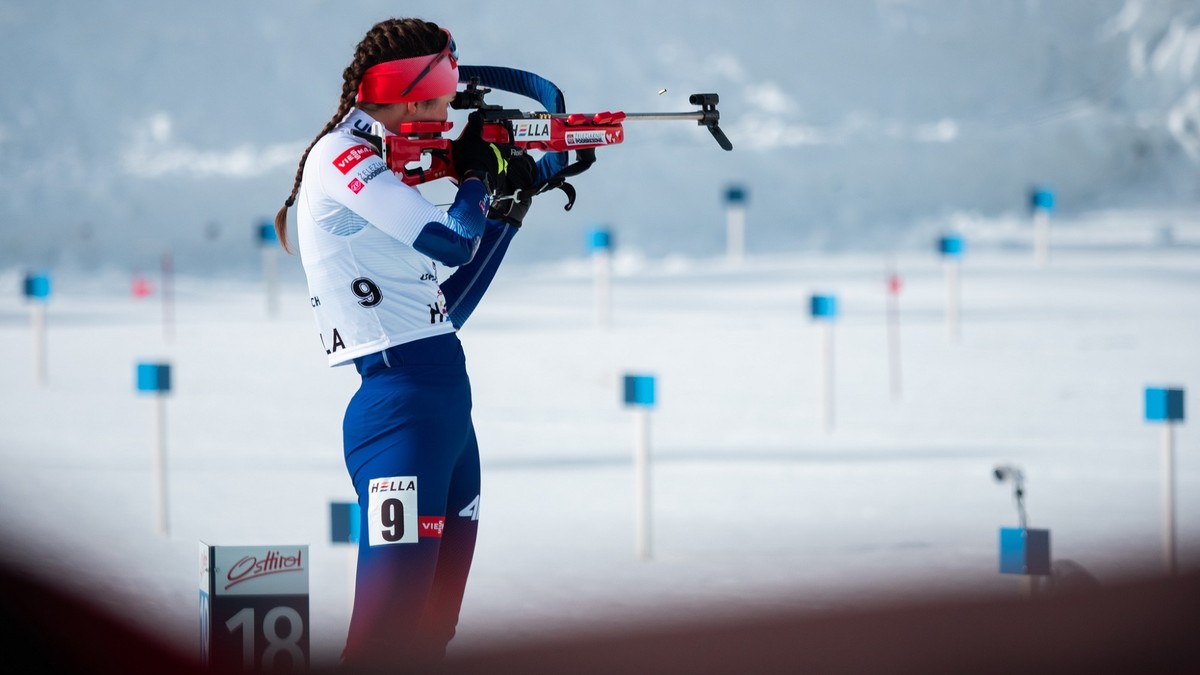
[893,314]
[168,296]
[160,460]
[641,464]
[1169,497]
[827,374]
[1041,236]
[602,273]
[952,298]
[271,274]
[351,574]
[38,314]
[735,227]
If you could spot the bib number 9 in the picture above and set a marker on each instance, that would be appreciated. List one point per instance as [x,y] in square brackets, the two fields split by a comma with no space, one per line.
[392,511]
[366,291]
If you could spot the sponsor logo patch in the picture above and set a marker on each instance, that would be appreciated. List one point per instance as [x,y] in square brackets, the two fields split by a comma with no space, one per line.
[431,526]
[372,170]
[369,173]
[531,130]
[586,138]
[251,567]
[350,158]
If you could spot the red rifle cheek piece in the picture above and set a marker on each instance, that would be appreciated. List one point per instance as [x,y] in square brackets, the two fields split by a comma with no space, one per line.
[413,140]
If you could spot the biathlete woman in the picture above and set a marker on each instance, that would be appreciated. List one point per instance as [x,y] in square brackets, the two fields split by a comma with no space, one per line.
[374,252]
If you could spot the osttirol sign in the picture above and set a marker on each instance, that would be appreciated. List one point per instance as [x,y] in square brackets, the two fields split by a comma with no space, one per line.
[254,608]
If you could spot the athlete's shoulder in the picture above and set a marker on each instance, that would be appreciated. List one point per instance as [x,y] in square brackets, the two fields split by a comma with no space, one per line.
[344,150]
[350,168]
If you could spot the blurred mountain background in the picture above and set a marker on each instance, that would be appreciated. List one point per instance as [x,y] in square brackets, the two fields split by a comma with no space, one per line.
[134,128]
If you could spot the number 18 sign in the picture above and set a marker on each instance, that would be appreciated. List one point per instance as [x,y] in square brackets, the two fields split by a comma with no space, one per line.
[254,608]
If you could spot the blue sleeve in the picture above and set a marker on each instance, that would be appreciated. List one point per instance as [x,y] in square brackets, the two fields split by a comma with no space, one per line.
[464,289]
[550,164]
[454,243]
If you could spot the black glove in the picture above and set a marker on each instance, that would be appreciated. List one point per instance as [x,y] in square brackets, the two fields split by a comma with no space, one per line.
[474,157]
[514,201]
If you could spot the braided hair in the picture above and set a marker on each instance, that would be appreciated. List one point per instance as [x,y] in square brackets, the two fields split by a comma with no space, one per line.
[387,40]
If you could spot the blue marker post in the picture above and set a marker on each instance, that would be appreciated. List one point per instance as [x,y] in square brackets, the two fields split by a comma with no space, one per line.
[823,309]
[1023,550]
[735,223]
[155,378]
[1041,203]
[1026,552]
[37,292]
[600,245]
[1165,405]
[950,247]
[343,522]
[639,394]
[268,241]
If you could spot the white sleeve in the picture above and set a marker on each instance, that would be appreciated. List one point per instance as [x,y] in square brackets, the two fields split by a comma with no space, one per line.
[350,172]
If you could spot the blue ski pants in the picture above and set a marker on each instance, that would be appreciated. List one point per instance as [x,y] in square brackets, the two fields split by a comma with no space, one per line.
[412,455]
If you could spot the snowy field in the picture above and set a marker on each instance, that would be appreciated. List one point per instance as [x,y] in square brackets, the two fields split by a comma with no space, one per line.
[755,502]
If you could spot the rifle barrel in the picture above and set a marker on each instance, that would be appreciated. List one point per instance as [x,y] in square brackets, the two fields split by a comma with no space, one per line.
[698,116]
[708,118]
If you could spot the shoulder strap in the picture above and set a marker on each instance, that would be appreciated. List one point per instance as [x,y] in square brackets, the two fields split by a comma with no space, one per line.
[553,167]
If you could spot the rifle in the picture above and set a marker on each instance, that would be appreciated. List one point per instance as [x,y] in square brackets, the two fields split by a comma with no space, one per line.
[557,132]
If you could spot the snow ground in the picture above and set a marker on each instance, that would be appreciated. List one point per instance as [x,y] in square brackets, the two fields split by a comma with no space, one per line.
[755,504]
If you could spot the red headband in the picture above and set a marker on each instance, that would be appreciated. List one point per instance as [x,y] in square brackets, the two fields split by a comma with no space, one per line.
[419,78]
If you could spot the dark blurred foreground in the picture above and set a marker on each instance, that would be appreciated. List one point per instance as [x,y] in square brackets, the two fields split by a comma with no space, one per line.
[1149,626]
